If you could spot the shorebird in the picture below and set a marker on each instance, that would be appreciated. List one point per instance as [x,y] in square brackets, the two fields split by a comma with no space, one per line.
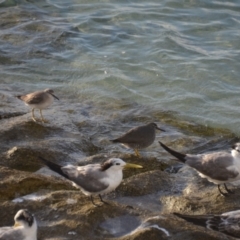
[217,167]
[138,137]
[25,227]
[38,100]
[93,179]
[227,223]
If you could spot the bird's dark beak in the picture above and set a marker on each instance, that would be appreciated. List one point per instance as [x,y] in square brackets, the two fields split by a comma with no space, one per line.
[160,129]
[54,96]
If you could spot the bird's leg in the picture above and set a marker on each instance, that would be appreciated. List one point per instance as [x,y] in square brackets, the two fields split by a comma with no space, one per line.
[43,120]
[102,199]
[33,116]
[228,190]
[137,153]
[94,202]
[224,194]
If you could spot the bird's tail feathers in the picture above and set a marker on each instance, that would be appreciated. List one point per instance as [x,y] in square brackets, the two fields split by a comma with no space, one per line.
[178,155]
[53,166]
[200,220]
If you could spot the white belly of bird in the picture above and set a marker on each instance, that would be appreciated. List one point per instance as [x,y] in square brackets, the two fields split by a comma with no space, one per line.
[113,180]
[30,233]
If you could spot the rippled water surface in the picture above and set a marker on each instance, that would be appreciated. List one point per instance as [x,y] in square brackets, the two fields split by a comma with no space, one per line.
[169,56]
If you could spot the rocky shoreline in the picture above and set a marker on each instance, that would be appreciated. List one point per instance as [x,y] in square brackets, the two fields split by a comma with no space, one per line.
[140,208]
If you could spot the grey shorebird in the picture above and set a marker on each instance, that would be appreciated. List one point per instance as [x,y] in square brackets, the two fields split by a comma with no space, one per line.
[138,137]
[227,223]
[217,167]
[93,179]
[38,100]
[25,227]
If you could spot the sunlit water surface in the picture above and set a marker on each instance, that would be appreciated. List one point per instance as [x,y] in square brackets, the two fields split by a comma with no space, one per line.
[171,56]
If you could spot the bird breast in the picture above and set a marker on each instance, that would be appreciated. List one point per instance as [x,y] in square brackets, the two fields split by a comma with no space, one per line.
[31,232]
[113,180]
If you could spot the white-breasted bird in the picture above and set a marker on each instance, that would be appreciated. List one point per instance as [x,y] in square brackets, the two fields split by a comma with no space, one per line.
[25,227]
[93,179]
[217,167]
[227,223]
[38,100]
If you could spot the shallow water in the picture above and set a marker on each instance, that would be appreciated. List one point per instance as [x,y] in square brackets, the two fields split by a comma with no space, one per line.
[121,58]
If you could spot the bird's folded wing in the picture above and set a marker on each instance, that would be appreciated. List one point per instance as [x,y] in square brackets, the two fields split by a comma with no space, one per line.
[90,179]
[132,137]
[218,166]
[33,98]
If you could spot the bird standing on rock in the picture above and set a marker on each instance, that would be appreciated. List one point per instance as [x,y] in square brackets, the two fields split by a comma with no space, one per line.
[138,137]
[38,100]
[217,167]
[93,179]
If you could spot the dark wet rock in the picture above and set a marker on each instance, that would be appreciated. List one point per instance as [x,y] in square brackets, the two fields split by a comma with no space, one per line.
[18,183]
[10,114]
[146,183]
[23,140]
[26,159]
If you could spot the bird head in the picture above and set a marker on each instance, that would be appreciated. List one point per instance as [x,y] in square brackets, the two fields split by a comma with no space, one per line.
[236,149]
[118,164]
[154,125]
[23,218]
[51,92]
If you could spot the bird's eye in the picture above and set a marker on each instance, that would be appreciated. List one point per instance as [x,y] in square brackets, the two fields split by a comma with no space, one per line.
[117,163]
